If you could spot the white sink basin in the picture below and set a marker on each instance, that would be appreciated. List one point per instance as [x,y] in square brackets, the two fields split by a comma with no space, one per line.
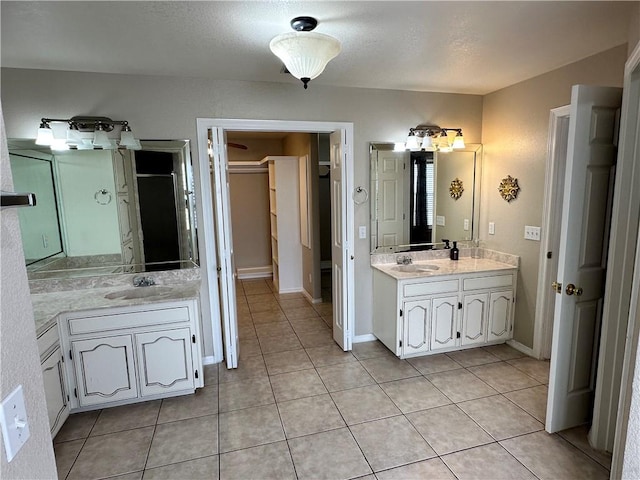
[139,292]
[416,268]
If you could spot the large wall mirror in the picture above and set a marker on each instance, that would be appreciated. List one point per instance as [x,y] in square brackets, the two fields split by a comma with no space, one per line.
[419,199]
[106,211]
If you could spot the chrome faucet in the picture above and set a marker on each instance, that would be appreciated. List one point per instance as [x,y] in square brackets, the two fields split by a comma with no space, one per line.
[143,281]
[404,260]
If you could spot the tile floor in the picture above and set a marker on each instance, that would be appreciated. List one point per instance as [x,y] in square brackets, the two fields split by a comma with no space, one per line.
[299,407]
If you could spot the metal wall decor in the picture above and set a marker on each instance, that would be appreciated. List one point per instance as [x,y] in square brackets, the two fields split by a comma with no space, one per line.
[509,188]
[456,188]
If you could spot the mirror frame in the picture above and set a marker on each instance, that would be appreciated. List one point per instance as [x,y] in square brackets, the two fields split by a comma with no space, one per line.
[475,148]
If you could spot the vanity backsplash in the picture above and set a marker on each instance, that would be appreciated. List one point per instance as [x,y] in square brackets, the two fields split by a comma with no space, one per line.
[441,254]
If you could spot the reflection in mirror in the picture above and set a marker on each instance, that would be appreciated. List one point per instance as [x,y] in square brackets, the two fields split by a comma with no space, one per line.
[120,211]
[420,198]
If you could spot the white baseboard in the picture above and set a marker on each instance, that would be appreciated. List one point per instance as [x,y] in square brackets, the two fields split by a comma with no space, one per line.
[310,297]
[254,272]
[369,337]
[521,348]
[208,360]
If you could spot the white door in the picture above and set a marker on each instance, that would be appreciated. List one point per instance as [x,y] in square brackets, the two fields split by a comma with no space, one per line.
[393,221]
[584,236]
[341,256]
[222,216]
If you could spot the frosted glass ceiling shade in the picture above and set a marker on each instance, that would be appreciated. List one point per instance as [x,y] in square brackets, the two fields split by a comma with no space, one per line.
[305,54]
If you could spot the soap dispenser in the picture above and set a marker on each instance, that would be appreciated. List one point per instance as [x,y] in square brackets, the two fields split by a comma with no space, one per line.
[455,253]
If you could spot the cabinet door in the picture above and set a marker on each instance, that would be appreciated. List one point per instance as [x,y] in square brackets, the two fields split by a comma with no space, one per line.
[416,327]
[444,322]
[500,315]
[104,369]
[164,361]
[474,318]
[55,391]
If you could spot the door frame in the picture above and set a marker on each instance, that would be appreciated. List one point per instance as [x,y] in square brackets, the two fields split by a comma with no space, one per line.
[207,243]
[551,214]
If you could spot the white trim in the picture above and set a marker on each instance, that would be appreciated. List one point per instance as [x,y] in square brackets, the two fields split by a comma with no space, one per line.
[369,337]
[254,272]
[309,297]
[209,360]
[520,347]
[551,213]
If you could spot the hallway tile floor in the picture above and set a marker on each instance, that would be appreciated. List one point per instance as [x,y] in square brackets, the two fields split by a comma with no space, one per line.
[300,407]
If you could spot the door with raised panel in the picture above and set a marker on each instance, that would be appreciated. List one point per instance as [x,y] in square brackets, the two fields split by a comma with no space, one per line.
[55,391]
[474,318]
[105,370]
[164,361]
[444,322]
[416,327]
[500,315]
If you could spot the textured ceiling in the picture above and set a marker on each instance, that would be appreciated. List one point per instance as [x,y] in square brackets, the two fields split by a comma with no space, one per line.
[464,47]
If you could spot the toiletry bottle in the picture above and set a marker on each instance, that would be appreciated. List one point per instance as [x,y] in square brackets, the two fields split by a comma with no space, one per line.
[454,251]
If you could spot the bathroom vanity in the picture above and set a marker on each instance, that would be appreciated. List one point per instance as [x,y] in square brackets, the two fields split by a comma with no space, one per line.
[436,305]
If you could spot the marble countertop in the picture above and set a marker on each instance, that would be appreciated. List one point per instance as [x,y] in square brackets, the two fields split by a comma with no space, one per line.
[46,306]
[425,268]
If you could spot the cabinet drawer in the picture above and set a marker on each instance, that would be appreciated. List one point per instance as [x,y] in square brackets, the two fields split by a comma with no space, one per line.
[118,321]
[429,288]
[48,339]
[487,282]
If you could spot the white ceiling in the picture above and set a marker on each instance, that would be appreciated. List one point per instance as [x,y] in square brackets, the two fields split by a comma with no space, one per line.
[465,47]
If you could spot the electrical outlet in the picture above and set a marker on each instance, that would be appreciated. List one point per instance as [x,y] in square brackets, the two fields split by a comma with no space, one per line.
[466,224]
[362,231]
[440,220]
[14,423]
[492,228]
[532,233]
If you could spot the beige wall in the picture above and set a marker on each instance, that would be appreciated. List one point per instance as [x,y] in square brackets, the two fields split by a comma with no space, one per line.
[19,360]
[515,126]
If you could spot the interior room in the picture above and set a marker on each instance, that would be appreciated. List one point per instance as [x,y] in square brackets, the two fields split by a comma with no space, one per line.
[417,260]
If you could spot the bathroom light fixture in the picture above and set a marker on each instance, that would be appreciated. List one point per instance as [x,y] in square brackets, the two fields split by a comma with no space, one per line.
[87,133]
[305,53]
[433,138]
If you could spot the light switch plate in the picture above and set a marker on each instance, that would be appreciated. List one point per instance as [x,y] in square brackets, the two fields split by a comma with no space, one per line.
[440,220]
[466,224]
[532,233]
[362,231]
[13,420]
[492,228]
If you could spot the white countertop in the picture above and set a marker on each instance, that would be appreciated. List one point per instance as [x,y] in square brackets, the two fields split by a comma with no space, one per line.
[46,306]
[445,267]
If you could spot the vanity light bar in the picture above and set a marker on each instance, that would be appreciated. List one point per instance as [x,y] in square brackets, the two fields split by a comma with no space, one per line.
[87,133]
[421,138]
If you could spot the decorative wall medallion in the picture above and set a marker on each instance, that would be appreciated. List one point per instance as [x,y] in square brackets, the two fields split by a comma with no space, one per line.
[456,189]
[509,188]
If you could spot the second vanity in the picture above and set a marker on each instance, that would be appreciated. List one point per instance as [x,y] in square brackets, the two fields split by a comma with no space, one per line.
[435,305]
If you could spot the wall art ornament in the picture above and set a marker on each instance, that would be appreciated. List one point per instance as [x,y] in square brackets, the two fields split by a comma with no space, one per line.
[509,188]
[456,189]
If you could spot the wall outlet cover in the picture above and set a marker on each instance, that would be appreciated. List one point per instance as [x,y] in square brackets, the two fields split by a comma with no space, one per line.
[362,231]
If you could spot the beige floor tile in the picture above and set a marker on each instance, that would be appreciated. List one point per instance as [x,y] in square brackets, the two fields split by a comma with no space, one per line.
[300,313]
[328,320]
[538,369]
[473,357]
[248,367]
[328,455]
[127,476]
[292,303]
[250,347]
[532,400]
[289,361]
[391,442]
[264,462]
[504,351]
[434,363]
[127,417]
[364,404]
[261,298]
[271,306]
[243,308]
[329,355]
[274,329]
[323,308]
[365,350]
[578,437]
[184,440]
[503,377]
[300,384]
[249,393]
[210,374]
[317,339]
[203,402]
[387,369]
[460,385]
[279,344]
[287,296]
[344,376]
[77,426]
[427,469]
[268,316]
[205,468]
[246,331]
[551,457]
[309,325]
[309,415]
[112,454]
[249,428]
[492,459]
[500,417]
[413,394]
[66,453]
[255,288]
[448,429]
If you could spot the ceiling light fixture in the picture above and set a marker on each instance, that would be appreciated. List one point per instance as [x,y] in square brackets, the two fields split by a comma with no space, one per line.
[433,138]
[87,133]
[305,53]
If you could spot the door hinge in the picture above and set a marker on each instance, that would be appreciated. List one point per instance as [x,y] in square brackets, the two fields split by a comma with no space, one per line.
[549,255]
[400,343]
[459,305]
[457,334]
[75,392]
[67,398]
[70,355]
[400,312]
[62,358]
[196,374]
[193,339]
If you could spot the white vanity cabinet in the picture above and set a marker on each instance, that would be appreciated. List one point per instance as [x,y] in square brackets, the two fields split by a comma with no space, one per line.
[433,314]
[53,376]
[128,354]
